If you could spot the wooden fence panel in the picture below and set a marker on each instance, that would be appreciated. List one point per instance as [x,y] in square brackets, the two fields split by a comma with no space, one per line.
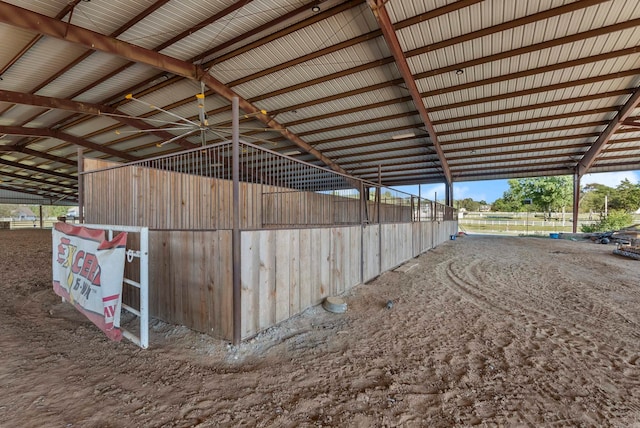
[396,244]
[190,279]
[371,252]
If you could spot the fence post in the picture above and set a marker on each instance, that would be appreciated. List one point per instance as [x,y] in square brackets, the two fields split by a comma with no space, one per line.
[235,237]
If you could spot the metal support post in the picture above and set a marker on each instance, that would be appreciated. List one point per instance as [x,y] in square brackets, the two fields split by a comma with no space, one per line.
[576,200]
[80,185]
[235,237]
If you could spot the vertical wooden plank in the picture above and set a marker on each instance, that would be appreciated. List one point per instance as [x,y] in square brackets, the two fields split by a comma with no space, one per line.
[326,262]
[177,268]
[282,275]
[200,281]
[317,265]
[305,269]
[266,282]
[294,272]
[338,261]
[249,273]
[210,305]
[156,271]
[384,250]
[224,289]
[356,256]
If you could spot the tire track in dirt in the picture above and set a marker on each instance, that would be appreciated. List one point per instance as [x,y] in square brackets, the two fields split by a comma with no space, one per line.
[563,337]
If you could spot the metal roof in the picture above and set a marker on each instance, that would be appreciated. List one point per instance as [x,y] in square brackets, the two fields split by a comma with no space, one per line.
[477,89]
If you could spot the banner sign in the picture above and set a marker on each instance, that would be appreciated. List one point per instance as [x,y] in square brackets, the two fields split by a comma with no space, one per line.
[88,272]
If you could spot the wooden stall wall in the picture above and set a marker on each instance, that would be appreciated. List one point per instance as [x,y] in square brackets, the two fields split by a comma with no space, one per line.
[139,196]
[371,252]
[396,244]
[285,271]
[190,279]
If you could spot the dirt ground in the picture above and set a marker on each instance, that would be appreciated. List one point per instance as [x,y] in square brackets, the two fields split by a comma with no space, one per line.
[483,331]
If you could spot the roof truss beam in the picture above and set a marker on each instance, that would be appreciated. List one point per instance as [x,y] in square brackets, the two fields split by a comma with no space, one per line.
[42,24]
[598,146]
[52,133]
[19,165]
[51,194]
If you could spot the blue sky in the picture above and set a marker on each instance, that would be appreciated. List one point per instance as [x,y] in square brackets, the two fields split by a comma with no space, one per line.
[491,190]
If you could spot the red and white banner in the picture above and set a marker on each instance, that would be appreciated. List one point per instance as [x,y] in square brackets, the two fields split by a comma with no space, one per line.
[88,272]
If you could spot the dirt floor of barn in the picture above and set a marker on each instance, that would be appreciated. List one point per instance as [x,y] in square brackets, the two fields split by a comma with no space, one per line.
[483,331]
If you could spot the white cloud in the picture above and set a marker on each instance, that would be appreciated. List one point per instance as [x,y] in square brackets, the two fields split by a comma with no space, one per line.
[464,191]
[430,190]
[611,179]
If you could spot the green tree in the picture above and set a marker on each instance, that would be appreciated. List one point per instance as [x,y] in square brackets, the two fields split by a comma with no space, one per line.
[626,196]
[593,197]
[552,194]
[468,204]
[509,202]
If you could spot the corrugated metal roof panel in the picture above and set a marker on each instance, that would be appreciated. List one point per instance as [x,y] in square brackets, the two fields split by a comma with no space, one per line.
[116,84]
[538,127]
[44,7]
[97,122]
[328,64]
[47,118]
[38,63]
[523,100]
[321,90]
[351,118]
[309,39]
[82,75]
[19,114]
[107,16]
[19,38]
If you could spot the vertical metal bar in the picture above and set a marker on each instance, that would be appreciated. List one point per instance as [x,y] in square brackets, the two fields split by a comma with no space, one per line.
[144,287]
[576,200]
[235,237]
[41,220]
[80,185]
[379,190]
[363,202]
[361,194]
[419,204]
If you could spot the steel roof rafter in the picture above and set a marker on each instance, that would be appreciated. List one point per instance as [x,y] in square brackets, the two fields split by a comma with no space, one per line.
[36,191]
[38,170]
[53,133]
[598,146]
[35,180]
[438,45]
[23,18]
[119,100]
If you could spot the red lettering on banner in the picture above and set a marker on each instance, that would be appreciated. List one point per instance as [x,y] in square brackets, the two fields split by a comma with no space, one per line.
[75,268]
[87,266]
[66,252]
[91,269]
[109,311]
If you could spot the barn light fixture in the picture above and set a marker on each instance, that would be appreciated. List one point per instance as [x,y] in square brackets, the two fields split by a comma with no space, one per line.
[403,136]
[291,153]
[315,8]
[459,71]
